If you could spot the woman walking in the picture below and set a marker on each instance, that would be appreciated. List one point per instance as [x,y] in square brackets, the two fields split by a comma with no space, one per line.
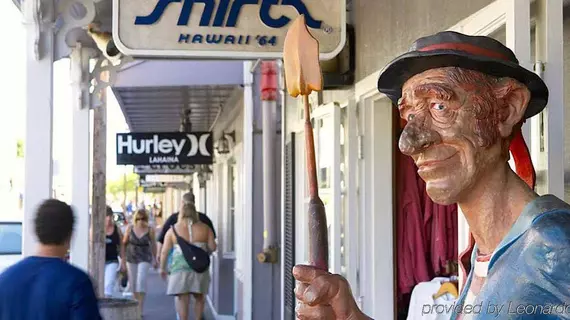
[113,246]
[183,281]
[139,239]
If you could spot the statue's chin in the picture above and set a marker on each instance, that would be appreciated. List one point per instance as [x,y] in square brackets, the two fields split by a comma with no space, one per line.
[441,196]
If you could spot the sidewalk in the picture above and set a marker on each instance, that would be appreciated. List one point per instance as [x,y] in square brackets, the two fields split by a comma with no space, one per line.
[159,306]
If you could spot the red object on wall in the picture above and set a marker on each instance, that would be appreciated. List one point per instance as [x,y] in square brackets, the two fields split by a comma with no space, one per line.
[412,242]
[268,81]
[426,233]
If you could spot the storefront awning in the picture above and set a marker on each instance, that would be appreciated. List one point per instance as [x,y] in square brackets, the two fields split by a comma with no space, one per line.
[155,73]
[153,94]
[160,109]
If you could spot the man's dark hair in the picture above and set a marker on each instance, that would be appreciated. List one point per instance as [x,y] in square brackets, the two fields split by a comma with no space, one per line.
[54,222]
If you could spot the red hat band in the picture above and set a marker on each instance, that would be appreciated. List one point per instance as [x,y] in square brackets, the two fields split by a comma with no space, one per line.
[465,47]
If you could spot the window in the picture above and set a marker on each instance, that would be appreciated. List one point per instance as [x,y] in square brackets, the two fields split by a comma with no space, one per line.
[229,239]
[10,238]
[324,159]
[343,194]
[301,200]
[326,120]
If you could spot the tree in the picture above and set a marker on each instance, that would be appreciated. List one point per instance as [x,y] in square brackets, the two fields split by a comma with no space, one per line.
[122,186]
[20,148]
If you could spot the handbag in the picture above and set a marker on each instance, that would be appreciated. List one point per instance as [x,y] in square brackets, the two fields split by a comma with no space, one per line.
[197,258]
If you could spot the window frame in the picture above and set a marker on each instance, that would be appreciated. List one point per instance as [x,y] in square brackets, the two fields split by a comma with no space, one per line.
[232,161]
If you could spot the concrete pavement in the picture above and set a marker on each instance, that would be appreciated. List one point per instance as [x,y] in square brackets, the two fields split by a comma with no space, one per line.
[159,306]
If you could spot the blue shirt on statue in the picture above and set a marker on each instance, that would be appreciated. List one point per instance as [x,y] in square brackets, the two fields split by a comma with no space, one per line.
[42,288]
[528,276]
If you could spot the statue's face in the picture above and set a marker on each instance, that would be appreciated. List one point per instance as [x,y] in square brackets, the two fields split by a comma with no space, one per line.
[447,133]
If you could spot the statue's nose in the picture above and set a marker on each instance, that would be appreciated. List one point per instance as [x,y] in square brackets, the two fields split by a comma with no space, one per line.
[416,138]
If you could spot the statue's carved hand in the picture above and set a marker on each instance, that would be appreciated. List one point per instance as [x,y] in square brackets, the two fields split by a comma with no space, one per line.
[323,295]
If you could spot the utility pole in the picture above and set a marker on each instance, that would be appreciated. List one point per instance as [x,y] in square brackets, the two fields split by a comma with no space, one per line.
[99,203]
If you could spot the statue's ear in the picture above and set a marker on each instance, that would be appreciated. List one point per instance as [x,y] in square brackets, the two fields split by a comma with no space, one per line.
[513,97]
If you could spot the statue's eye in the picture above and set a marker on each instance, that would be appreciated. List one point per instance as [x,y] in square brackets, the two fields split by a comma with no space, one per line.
[438,106]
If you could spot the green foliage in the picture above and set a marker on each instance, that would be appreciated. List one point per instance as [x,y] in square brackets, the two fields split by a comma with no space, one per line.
[20,149]
[117,187]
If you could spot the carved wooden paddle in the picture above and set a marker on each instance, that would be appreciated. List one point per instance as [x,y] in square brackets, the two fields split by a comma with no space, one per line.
[303,76]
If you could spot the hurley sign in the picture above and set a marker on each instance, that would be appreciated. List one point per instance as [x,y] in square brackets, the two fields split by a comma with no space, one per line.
[165,148]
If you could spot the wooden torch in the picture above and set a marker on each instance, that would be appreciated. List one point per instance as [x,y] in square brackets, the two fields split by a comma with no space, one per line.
[303,76]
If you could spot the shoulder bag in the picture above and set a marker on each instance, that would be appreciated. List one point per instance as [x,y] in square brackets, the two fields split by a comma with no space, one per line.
[197,258]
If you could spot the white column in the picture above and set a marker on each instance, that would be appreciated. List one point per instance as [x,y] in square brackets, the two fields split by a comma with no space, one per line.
[269,108]
[518,40]
[8,145]
[381,236]
[283,102]
[80,156]
[39,114]
[550,51]
[247,183]
[351,222]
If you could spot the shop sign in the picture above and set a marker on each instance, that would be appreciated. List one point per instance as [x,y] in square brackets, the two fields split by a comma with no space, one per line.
[182,169]
[175,148]
[238,29]
[164,178]
[176,185]
[154,189]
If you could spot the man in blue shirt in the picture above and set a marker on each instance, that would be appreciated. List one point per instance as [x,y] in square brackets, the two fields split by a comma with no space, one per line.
[44,286]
